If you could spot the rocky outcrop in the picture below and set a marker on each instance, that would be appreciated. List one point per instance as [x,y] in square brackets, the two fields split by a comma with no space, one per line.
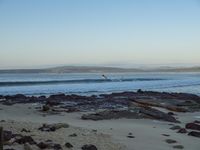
[138,113]
[192,126]
[53,127]
[112,114]
[194,133]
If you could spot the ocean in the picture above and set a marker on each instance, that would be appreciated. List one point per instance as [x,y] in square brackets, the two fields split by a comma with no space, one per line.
[95,83]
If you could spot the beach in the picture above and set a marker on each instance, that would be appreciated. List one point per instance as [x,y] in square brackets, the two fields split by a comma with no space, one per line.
[105,134]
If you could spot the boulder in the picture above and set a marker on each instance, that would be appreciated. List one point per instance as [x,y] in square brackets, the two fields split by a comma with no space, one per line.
[45,108]
[89,147]
[53,127]
[7,135]
[194,133]
[68,145]
[182,130]
[49,145]
[192,126]
[178,147]
[25,139]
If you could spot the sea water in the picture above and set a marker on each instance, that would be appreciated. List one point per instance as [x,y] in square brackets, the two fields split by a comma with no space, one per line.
[95,83]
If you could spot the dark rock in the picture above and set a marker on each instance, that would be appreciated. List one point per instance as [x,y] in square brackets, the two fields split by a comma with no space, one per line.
[130,136]
[170,113]
[196,121]
[25,139]
[52,103]
[139,91]
[25,130]
[157,114]
[73,135]
[94,130]
[7,135]
[68,145]
[53,127]
[49,145]
[111,114]
[57,147]
[166,135]
[45,108]
[194,133]
[182,130]
[178,147]
[192,126]
[175,128]
[42,145]
[89,147]
[170,141]
[56,97]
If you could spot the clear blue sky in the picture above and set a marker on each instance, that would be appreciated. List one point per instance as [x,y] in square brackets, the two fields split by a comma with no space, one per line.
[37,33]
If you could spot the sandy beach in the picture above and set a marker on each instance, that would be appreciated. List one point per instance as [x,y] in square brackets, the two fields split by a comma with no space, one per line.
[114,134]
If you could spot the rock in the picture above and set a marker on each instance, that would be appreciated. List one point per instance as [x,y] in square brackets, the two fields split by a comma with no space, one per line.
[194,133]
[178,147]
[45,108]
[140,91]
[7,135]
[73,135]
[170,141]
[111,114]
[68,145]
[130,136]
[182,130]
[175,128]
[196,121]
[89,147]
[25,139]
[165,134]
[57,147]
[25,130]
[49,145]
[192,126]
[157,114]
[170,113]
[52,103]
[53,127]
[42,145]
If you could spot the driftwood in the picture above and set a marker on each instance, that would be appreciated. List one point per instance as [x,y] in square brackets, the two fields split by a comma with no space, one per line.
[1,138]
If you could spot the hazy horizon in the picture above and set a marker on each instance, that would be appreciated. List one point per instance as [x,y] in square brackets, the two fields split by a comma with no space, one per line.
[49,33]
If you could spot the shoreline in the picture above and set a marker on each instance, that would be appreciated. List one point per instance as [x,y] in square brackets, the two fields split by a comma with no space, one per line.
[118,121]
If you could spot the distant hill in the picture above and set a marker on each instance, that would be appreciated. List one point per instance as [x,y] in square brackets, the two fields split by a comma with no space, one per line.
[88,69]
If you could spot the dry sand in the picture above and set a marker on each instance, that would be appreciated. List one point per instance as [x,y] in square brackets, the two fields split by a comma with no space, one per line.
[111,134]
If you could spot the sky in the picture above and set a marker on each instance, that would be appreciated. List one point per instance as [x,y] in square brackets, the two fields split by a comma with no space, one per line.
[40,33]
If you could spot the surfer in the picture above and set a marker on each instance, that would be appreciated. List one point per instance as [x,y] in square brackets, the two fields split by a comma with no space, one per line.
[106,78]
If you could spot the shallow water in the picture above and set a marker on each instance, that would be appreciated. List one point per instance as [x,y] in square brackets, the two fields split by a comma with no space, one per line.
[94,83]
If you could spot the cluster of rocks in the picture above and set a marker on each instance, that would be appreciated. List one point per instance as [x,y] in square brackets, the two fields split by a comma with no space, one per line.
[9,138]
[53,127]
[140,112]
[180,102]
[140,104]
[191,129]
